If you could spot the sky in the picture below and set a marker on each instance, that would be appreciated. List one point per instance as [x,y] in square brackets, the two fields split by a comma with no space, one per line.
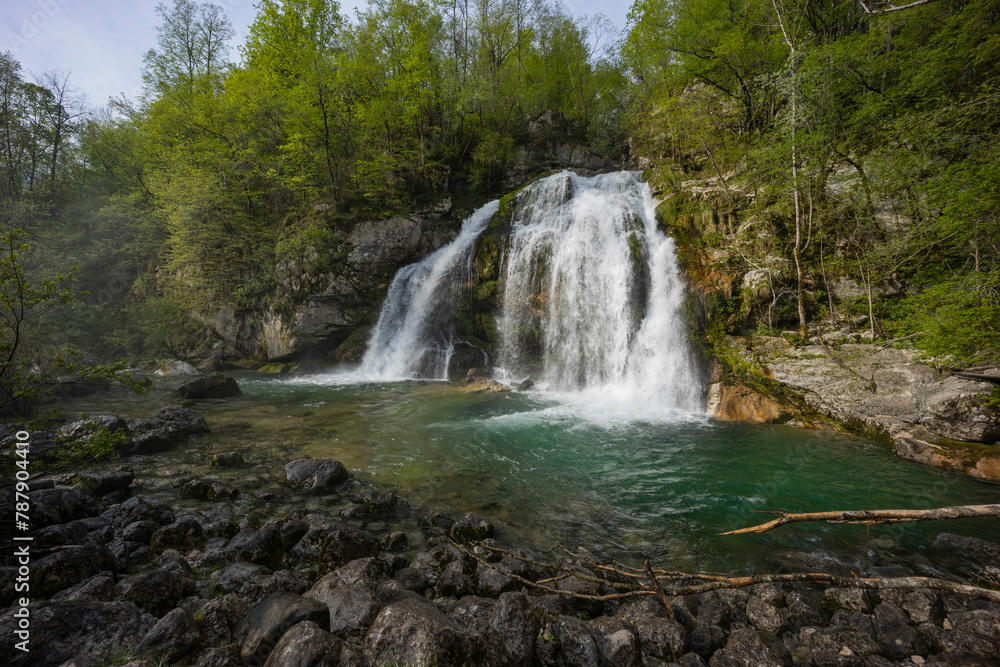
[100,43]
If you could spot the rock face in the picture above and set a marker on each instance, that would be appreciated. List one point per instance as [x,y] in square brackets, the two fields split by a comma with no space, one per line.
[881,392]
[335,290]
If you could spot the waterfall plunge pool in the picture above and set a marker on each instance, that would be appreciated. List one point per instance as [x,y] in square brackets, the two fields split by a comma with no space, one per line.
[627,481]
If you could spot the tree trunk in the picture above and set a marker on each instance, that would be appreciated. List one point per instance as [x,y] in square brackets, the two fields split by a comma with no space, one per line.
[871,517]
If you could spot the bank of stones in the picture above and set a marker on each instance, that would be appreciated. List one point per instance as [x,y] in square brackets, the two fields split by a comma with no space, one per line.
[124,578]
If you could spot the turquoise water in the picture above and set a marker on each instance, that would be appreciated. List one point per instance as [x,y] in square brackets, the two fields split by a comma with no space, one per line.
[584,471]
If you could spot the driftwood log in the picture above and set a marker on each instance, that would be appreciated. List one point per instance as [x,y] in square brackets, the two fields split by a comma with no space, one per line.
[872,517]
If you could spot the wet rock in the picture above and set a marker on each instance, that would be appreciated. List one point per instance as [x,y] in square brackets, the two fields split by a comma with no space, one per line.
[617,642]
[707,639]
[805,609]
[140,531]
[412,579]
[415,632]
[56,506]
[751,648]
[453,581]
[272,618]
[222,618]
[662,638]
[378,502]
[525,385]
[897,637]
[82,630]
[351,608]
[81,430]
[215,385]
[397,542]
[60,535]
[316,475]
[306,645]
[165,429]
[851,599]
[924,606]
[103,482]
[265,546]
[764,616]
[493,582]
[207,490]
[155,592]
[978,551]
[185,533]
[227,460]
[172,637]
[578,646]
[141,509]
[517,625]
[331,544]
[70,566]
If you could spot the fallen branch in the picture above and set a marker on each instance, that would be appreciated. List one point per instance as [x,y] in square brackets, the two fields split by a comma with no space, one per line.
[692,583]
[872,517]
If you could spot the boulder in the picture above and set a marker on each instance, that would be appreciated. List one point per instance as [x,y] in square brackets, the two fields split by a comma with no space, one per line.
[184,533]
[415,632]
[752,648]
[172,637]
[80,431]
[264,546]
[316,475]
[328,545]
[351,608]
[155,592]
[176,367]
[50,507]
[471,527]
[578,646]
[222,617]
[100,587]
[617,642]
[517,626]
[215,385]
[662,638]
[103,482]
[70,566]
[140,509]
[305,645]
[165,429]
[86,631]
[272,618]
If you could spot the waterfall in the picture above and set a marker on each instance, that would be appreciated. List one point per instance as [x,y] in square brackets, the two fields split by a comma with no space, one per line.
[590,292]
[592,295]
[414,335]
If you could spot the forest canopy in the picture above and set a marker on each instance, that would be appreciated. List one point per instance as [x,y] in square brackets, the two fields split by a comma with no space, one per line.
[855,144]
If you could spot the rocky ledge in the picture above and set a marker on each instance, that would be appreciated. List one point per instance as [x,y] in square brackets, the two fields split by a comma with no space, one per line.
[881,392]
[129,580]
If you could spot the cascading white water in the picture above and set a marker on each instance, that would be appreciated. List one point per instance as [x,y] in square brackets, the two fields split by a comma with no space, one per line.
[414,333]
[592,295]
[592,298]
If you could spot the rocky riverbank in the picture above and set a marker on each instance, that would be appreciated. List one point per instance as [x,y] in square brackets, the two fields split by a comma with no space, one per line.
[118,578]
[882,392]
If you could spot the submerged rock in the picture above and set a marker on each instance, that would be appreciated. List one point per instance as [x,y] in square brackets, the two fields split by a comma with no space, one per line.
[316,475]
[165,429]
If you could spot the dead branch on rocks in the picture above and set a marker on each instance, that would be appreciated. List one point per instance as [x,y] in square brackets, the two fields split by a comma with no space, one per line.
[871,517]
[629,582]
